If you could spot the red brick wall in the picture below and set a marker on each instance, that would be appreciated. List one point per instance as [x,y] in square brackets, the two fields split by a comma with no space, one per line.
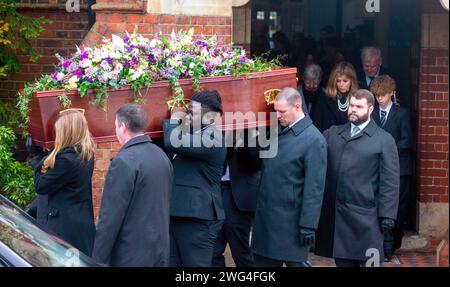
[151,24]
[66,31]
[433,126]
[103,155]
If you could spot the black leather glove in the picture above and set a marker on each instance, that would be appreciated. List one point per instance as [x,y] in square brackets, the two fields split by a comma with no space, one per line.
[307,236]
[386,225]
[33,149]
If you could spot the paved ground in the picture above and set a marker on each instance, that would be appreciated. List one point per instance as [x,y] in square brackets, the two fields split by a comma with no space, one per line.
[402,259]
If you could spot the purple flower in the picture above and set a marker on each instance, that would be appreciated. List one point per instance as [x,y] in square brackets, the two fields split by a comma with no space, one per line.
[134,60]
[84,55]
[201,43]
[242,59]
[151,58]
[126,39]
[78,73]
[67,64]
[126,64]
[88,79]
[109,60]
[55,76]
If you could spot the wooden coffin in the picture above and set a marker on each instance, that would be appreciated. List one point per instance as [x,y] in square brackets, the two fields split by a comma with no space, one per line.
[239,94]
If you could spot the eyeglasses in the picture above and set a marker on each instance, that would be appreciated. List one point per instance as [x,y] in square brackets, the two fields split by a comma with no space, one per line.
[72,109]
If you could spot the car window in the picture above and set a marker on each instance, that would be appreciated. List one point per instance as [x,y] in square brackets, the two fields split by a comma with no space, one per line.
[21,234]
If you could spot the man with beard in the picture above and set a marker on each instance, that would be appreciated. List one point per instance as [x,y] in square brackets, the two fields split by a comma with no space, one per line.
[362,190]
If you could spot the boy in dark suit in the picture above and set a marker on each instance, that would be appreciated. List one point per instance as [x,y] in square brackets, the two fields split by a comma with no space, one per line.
[396,121]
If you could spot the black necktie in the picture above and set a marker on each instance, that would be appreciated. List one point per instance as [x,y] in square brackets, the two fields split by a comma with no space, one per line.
[383,117]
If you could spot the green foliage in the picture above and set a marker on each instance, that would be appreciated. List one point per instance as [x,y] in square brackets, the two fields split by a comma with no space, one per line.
[9,115]
[16,31]
[259,64]
[16,178]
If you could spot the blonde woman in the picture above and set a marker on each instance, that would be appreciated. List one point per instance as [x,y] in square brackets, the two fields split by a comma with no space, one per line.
[63,182]
[332,110]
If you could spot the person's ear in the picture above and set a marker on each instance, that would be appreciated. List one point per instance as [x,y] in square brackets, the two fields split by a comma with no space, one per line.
[371,109]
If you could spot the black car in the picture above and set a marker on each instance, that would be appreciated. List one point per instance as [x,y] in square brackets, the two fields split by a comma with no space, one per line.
[24,243]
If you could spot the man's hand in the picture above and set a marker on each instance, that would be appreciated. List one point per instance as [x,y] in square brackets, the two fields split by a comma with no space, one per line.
[33,149]
[307,236]
[386,225]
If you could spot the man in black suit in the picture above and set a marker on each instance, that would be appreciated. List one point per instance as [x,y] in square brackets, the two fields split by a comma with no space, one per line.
[133,228]
[371,61]
[239,192]
[396,121]
[361,195]
[196,212]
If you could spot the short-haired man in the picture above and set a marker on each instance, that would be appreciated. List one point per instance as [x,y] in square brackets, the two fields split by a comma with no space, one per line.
[291,188]
[371,61]
[361,195]
[196,212]
[133,228]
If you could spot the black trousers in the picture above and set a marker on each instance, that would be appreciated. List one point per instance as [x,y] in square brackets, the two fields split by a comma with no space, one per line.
[261,261]
[235,232]
[192,241]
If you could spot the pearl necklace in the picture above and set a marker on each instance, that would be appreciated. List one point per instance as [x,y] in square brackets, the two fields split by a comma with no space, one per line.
[343,107]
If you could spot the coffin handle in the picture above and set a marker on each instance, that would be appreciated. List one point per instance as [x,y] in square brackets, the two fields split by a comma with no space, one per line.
[270,96]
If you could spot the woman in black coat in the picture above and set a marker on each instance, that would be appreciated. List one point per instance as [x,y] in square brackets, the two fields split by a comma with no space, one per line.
[332,109]
[63,183]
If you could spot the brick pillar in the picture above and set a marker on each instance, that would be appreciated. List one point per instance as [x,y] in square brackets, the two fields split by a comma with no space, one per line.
[118,16]
[433,123]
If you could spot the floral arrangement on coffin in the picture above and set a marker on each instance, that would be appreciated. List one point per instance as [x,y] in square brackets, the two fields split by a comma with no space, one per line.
[138,61]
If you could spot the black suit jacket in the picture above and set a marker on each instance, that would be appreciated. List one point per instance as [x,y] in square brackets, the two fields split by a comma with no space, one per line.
[245,175]
[198,167]
[133,228]
[327,114]
[64,203]
[398,124]
[362,77]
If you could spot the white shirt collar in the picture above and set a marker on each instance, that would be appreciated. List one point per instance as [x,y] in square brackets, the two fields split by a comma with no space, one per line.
[299,119]
[361,126]
[388,109]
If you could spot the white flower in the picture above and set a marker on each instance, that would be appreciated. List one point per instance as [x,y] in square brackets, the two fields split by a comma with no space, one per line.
[118,67]
[59,76]
[73,82]
[89,72]
[86,63]
[191,66]
[115,55]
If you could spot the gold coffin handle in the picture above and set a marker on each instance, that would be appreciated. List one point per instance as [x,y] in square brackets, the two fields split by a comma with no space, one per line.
[270,96]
